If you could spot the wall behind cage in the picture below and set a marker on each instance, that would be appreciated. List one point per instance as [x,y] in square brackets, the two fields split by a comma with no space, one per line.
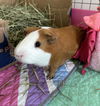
[86,4]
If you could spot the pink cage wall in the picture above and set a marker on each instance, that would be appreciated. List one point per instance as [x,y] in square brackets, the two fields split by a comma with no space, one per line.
[81,8]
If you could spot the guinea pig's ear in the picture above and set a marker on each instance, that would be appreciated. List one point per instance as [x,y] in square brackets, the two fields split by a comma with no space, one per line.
[30,29]
[51,37]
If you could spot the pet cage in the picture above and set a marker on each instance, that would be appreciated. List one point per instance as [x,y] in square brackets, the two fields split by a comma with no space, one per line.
[30,88]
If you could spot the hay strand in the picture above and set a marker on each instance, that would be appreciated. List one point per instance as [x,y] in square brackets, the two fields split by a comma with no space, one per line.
[20,17]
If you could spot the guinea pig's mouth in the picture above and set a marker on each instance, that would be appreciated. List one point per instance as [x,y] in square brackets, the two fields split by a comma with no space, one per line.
[22,61]
[18,58]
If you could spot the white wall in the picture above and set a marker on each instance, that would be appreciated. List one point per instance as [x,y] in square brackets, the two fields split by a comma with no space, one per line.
[85,4]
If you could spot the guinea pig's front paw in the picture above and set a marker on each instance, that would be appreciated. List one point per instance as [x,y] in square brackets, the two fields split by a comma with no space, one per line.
[50,76]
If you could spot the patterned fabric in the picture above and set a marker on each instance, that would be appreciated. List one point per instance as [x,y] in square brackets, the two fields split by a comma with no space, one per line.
[5,57]
[95,60]
[79,90]
[9,84]
[87,46]
[94,22]
[26,87]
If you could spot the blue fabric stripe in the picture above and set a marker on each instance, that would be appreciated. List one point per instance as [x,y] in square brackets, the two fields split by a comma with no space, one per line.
[60,75]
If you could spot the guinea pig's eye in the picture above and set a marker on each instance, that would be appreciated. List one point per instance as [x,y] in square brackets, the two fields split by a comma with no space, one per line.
[37,44]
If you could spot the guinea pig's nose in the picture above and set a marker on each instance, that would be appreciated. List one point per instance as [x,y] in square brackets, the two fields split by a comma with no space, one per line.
[19,56]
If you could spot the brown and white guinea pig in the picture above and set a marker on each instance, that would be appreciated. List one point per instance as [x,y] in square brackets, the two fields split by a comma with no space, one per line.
[49,46]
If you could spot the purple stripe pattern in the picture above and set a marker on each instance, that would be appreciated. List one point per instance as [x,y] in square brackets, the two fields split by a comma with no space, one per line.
[38,90]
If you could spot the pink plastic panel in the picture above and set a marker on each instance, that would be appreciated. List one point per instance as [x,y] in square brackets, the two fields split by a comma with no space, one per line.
[78,14]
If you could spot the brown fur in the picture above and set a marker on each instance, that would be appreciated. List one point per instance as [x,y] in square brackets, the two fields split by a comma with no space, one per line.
[30,29]
[62,43]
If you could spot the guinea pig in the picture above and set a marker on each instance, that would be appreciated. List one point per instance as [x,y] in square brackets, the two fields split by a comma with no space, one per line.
[49,46]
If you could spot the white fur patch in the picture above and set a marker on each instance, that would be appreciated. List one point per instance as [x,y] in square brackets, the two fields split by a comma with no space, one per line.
[31,54]
[45,27]
[24,85]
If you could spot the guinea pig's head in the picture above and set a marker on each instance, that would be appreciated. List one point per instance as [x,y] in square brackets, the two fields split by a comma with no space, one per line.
[35,48]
